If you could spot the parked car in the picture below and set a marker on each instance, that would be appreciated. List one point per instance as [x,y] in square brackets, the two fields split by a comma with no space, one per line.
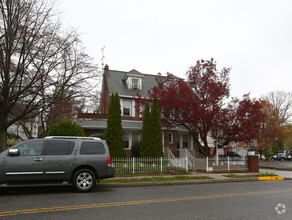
[261,157]
[278,156]
[274,157]
[231,155]
[77,160]
[288,156]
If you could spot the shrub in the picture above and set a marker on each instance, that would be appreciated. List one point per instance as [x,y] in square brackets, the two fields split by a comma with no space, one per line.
[156,131]
[151,143]
[66,128]
[100,135]
[114,131]
[145,150]
[10,143]
[135,149]
[269,154]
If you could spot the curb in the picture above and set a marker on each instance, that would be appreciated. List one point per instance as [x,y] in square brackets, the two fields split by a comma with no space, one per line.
[108,185]
[271,178]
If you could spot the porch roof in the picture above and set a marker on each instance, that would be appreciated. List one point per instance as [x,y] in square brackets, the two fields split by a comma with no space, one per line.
[91,123]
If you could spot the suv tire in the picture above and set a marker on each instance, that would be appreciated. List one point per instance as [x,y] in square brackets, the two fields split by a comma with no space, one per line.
[84,180]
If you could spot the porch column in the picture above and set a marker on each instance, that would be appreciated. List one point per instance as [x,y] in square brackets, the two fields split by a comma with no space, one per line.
[130,140]
[191,142]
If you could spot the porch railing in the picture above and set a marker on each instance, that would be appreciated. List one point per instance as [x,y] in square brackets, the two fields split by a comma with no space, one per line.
[169,154]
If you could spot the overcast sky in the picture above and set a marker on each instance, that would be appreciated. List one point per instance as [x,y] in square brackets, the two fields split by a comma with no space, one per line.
[253,37]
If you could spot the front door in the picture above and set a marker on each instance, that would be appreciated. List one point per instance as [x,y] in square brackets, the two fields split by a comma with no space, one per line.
[28,165]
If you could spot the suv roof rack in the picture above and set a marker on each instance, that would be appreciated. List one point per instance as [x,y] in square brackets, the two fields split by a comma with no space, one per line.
[71,137]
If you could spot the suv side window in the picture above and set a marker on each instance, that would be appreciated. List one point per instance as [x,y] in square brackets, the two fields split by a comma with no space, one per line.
[32,148]
[56,147]
[92,148]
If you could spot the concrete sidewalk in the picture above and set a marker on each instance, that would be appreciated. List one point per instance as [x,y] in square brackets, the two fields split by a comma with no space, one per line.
[285,174]
[216,178]
[220,176]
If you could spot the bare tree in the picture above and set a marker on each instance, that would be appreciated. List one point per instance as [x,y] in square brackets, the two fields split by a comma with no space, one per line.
[38,61]
[282,101]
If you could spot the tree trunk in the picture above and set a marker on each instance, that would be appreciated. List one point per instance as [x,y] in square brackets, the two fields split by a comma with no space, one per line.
[3,139]
[214,152]
[202,149]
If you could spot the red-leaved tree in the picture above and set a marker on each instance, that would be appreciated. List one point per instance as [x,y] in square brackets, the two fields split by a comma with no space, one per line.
[199,104]
[239,121]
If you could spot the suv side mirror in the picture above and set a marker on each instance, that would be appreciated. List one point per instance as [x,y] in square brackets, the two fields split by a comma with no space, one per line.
[13,152]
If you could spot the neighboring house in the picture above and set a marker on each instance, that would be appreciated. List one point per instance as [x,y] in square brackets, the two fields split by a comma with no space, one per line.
[24,129]
[128,85]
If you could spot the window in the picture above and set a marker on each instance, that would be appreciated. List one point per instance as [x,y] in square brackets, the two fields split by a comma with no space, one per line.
[135,83]
[126,107]
[92,148]
[59,147]
[33,148]
[126,140]
[185,141]
[170,137]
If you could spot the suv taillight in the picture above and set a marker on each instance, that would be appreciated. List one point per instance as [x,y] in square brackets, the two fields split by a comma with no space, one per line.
[109,161]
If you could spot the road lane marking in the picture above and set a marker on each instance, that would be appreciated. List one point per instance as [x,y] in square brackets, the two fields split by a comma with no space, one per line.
[139,202]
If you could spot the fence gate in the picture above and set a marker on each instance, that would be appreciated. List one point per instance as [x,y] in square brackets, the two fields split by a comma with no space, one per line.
[198,162]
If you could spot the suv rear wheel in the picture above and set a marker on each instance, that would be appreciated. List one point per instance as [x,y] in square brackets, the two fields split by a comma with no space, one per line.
[84,180]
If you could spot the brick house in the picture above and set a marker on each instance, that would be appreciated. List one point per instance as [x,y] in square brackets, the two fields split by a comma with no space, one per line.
[127,85]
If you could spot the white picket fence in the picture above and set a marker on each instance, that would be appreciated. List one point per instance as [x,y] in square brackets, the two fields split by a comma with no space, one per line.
[226,164]
[143,165]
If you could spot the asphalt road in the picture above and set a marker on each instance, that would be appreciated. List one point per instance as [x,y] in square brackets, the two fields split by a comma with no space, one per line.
[276,163]
[245,200]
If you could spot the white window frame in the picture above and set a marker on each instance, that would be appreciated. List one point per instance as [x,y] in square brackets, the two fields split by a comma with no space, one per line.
[123,107]
[137,84]
[129,138]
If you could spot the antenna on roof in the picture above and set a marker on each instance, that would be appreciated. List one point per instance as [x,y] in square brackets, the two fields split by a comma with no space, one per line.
[102,56]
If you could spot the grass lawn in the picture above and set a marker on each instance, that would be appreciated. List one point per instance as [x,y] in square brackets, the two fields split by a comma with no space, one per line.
[250,176]
[155,179]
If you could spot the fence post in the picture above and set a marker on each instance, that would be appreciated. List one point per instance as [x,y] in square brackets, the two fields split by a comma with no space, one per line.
[187,165]
[161,164]
[228,164]
[133,164]
[207,167]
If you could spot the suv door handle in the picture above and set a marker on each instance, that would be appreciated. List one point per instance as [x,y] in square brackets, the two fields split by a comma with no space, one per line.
[38,159]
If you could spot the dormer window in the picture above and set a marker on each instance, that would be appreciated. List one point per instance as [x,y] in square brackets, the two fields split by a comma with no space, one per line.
[135,83]
[133,80]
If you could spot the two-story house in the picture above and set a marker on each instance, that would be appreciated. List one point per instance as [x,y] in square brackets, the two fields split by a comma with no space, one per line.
[128,85]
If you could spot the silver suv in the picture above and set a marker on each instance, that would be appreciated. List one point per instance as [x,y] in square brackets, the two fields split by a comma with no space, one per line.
[77,160]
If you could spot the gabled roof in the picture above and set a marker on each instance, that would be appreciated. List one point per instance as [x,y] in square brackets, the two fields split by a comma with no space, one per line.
[116,83]
[133,72]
